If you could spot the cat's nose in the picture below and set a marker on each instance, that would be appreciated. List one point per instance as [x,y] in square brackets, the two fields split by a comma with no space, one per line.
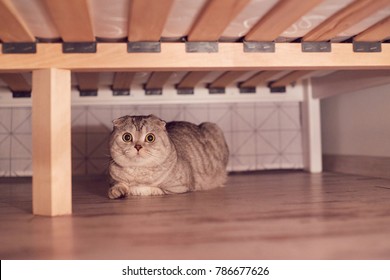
[138,147]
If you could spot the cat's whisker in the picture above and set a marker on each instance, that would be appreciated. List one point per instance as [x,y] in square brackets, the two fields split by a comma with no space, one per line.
[113,159]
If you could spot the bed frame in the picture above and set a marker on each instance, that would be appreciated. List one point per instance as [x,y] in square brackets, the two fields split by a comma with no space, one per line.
[201,51]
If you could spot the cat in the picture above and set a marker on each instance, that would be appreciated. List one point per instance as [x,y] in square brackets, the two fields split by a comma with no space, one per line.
[152,157]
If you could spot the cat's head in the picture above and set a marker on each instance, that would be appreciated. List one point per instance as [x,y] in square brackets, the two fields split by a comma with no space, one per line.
[139,141]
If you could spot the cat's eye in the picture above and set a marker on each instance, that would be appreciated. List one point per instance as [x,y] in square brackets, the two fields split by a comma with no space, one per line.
[150,138]
[127,137]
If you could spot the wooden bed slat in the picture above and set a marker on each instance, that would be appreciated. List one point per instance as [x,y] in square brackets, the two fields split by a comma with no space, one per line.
[226,79]
[377,32]
[15,81]
[72,19]
[123,80]
[258,79]
[344,19]
[147,19]
[214,18]
[279,18]
[12,26]
[290,78]
[88,81]
[157,80]
[191,79]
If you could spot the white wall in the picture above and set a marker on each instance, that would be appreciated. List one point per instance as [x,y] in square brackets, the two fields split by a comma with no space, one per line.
[357,123]
[264,135]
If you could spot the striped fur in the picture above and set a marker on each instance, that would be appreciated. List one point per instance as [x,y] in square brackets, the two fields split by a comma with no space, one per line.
[183,157]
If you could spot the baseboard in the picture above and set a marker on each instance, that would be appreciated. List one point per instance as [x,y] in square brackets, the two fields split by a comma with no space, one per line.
[359,165]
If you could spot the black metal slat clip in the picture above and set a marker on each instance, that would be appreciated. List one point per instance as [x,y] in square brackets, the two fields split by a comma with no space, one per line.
[185,91]
[21,93]
[316,47]
[277,89]
[153,91]
[216,90]
[120,92]
[143,47]
[265,47]
[88,92]
[19,48]
[281,89]
[79,47]
[247,89]
[367,47]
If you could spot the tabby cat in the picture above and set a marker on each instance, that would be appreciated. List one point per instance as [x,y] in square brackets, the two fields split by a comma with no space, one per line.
[152,157]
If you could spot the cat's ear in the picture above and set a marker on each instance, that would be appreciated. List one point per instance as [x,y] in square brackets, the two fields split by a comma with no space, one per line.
[120,121]
[157,120]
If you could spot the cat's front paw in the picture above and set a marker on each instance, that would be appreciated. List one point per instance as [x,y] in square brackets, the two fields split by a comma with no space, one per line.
[118,191]
[145,191]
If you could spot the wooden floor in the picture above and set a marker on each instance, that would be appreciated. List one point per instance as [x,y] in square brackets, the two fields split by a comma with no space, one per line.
[272,215]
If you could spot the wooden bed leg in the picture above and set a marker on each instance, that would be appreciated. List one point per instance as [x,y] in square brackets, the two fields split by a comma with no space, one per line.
[51,137]
[311,131]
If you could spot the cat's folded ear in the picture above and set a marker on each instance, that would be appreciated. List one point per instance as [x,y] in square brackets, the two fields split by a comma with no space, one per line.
[157,120]
[120,121]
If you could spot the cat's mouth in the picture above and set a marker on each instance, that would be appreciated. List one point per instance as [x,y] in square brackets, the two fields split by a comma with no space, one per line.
[139,155]
[133,154]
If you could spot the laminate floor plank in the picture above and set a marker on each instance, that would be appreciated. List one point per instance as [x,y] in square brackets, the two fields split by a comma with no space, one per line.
[261,215]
